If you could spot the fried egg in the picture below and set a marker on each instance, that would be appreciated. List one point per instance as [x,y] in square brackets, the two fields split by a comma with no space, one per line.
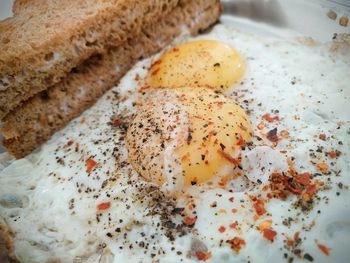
[199,63]
[85,197]
[185,136]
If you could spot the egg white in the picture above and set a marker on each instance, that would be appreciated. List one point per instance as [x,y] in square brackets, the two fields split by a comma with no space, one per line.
[307,84]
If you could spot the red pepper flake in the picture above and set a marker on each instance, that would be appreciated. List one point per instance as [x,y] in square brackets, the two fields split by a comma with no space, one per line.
[237,243]
[322,137]
[303,178]
[229,157]
[231,199]
[265,224]
[70,142]
[175,49]
[157,62]
[256,218]
[154,72]
[332,154]
[269,234]
[233,225]
[259,209]
[104,205]
[117,122]
[324,249]
[222,229]
[261,126]
[290,242]
[203,256]
[90,165]
[223,181]
[272,135]
[281,184]
[291,166]
[143,88]
[234,210]
[190,221]
[311,189]
[240,141]
[323,167]
[284,134]
[270,119]
[296,235]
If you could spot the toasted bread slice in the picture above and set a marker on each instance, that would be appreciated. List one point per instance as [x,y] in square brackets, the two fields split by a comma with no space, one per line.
[36,120]
[44,40]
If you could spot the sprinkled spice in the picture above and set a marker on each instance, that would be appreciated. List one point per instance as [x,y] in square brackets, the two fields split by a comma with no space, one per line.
[236,243]
[322,136]
[117,122]
[233,225]
[269,234]
[229,157]
[190,221]
[308,257]
[90,165]
[222,229]
[259,209]
[303,178]
[104,205]
[332,154]
[203,256]
[270,119]
[272,135]
[323,248]
[323,167]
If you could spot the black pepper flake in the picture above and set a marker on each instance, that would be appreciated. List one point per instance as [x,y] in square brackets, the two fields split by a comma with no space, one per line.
[308,257]
[222,146]
[189,136]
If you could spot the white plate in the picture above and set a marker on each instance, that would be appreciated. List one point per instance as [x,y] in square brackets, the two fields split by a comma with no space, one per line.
[281,18]
[287,18]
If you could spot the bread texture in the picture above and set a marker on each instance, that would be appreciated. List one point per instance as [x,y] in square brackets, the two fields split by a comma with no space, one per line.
[33,123]
[45,40]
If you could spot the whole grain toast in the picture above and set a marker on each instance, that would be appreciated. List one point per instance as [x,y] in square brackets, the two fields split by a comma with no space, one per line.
[31,124]
[44,40]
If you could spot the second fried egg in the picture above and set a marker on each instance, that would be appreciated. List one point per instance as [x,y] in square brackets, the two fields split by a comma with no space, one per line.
[186,136]
[200,63]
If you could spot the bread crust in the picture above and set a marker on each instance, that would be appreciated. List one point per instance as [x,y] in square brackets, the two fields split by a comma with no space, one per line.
[33,123]
[44,40]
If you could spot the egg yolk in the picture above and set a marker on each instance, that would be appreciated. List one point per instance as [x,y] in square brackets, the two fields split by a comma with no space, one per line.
[199,130]
[217,130]
[201,63]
